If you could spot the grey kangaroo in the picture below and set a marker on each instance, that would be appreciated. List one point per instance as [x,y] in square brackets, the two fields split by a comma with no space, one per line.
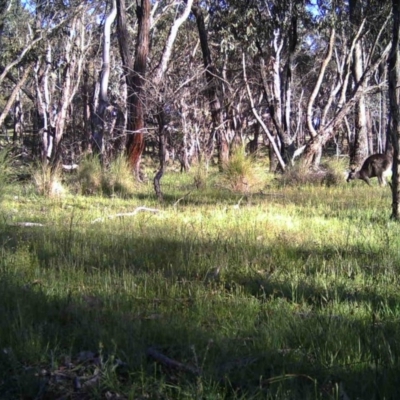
[376,165]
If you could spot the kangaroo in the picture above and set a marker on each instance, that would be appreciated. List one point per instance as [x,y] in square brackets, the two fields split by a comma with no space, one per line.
[376,165]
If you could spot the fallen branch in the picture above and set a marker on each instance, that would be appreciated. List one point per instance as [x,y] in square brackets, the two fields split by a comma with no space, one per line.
[26,224]
[169,362]
[70,168]
[130,214]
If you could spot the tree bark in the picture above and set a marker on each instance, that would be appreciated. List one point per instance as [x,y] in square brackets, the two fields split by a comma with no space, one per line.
[359,150]
[87,126]
[135,139]
[159,74]
[394,97]
[260,121]
[100,118]
[317,87]
[127,61]
[43,100]
[70,82]
[218,130]
[14,94]
[18,118]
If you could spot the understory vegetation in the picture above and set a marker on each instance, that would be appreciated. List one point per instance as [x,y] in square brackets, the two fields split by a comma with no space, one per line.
[230,289]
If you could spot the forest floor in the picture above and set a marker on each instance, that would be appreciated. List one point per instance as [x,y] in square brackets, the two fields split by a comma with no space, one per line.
[289,292]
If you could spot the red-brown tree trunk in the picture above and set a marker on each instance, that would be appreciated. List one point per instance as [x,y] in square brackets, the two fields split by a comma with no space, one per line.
[136,80]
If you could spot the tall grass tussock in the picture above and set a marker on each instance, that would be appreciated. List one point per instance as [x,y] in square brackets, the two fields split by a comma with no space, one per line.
[47,181]
[6,171]
[331,172]
[289,292]
[117,179]
[241,174]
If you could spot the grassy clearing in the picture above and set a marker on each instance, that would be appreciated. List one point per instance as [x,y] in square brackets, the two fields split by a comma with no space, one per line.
[289,292]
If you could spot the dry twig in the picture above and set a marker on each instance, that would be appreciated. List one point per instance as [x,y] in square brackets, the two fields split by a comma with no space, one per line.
[183,197]
[130,214]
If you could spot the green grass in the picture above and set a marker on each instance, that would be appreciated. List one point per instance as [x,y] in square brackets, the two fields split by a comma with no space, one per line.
[306,304]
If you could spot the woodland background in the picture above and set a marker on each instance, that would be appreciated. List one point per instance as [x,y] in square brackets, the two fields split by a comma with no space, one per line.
[191,79]
[262,274]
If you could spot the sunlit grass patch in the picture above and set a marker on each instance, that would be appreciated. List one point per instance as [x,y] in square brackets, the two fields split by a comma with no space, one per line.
[282,292]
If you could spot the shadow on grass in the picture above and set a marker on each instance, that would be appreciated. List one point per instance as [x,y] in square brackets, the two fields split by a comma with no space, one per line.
[41,332]
[53,308]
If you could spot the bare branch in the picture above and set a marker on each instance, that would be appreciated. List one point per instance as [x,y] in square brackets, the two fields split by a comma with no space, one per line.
[166,54]
[260,121]
[342,98]
[181,198]
[14,94]
[377,39]
[358,90]
[317,87]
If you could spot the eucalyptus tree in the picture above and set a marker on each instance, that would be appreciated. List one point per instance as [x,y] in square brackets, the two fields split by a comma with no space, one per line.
[44,45]
[287,18]
[359,150]
[135,69]
[13,96]
[157,80]
[371,15]
[100,116]
[58,71]
[15,64]
[338,93]
[269,33]
[212,92]
[161,84]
